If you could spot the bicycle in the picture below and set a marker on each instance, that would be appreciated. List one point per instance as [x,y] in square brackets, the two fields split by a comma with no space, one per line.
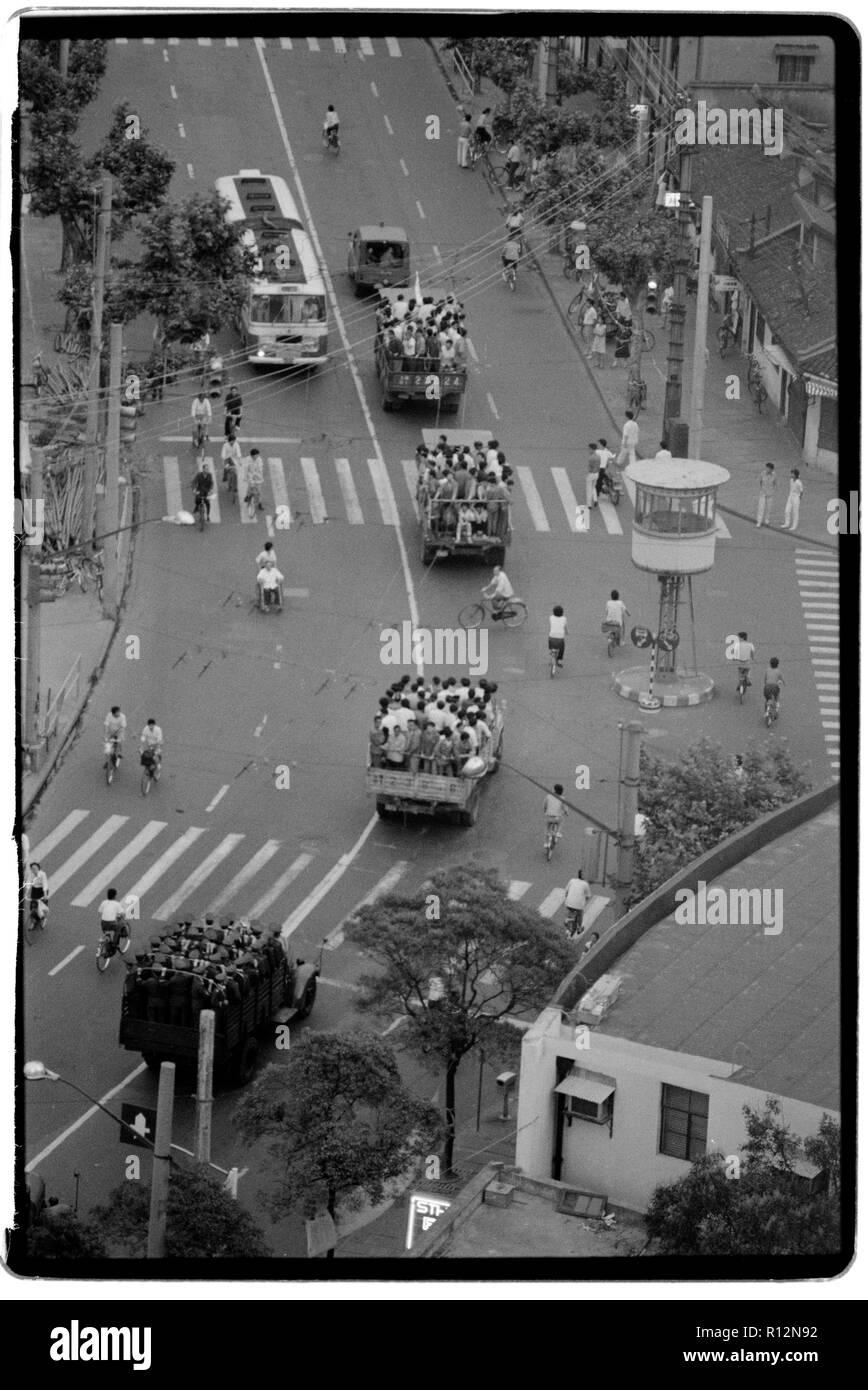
[200,437]
[573,921]
[757,391]
[114,939]
[34,922]
[772,710]
[613,636]
[553,834]
[199,510]
[649,342]
[725,339]
[510,270]
[113,759]
[253,500]
[152,767]
[512,614]
[333,140]
[637,393]
[556,655]
[743,683]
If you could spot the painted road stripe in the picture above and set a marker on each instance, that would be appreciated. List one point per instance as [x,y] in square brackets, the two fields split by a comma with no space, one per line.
[470,348]
[286,43]
[420,210]
[54,837]
[550,904]
[215,495]
[218,798]
[491,405]
[197,877]
[411,474]
[313,45]
[630,488]
[367,47]
[532,497]
[610,517]
[380,889]
[259,860]
[404,170]
[388,125]
[86,851]
[326,884]
[149,40]
[725,534]
[106,875]
[82,1119]
[66,960]
[165,861]
[286,878]
[394,48]
[348,491]
[566,494]
[172,476]
[340,46]
[384,495]
[517,889]
[277,478]
[314,491]
[596,905]
[231,43]
[204,43]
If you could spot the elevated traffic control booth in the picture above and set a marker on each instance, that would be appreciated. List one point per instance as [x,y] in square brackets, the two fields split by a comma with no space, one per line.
[674,536]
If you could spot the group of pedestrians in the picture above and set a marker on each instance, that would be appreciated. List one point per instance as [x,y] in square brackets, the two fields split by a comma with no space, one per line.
[602,315]
[432,726]
[466,489]
[767,484]
[423,335]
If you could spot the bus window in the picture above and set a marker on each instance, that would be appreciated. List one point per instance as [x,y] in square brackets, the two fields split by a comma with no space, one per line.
[269,308]
[308,309]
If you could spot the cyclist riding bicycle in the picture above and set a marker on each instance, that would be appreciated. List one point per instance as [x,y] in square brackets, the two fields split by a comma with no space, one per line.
[151,742]
[203,484]
[576,900]
[115,729]
[515,226]
[482,132]
[511,255]
[746,654]
[232,406]
[331,123]
[555,811]
[773,681]
[617,613]
[557,632]
[253,476]
[111,914]
[200,413]
[498,590]
[36,890]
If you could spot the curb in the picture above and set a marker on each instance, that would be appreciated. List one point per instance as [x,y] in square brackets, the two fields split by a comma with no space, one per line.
[628,691]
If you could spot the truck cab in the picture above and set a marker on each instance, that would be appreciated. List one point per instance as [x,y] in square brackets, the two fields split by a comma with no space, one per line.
[378,256]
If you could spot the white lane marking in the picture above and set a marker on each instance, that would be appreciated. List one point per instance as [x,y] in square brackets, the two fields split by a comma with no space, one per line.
[104,878]
[278,487]
[204,43]
[173,93]
[335,873]
[286,878]
[259,860]
[197,877]
[165,861]
[347,347]
[532,497]
[172,478]
[340,46]
[367,47]
[231,43]
[149,40]
[313,45]
[831,723]
[121,40]
[550,904]
[314,491]
[286,43]
[472,350]
[566,494]
[54,837]
[411,474]
[269,525]
[82,1119]
[174,41]
[217,799]
[385,496]
[295,593]
[66,959]
[722,530]
[338,984]
[257,732]
[405,171]
[380,889]
[388,125]
[348,491]
[597,904]
[630,488]
[420,210]
[491,406]
[435,251]
[374,90]
[517,889]
[86,851]
[394,48]
[215,494]
[610,517]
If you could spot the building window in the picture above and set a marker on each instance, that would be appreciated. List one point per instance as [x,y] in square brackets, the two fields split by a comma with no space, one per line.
[683,1123]
[793,69]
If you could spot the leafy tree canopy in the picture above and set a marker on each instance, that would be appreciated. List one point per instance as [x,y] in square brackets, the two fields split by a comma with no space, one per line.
[40,81]
[202,1220]
[141,173]
[65,1237]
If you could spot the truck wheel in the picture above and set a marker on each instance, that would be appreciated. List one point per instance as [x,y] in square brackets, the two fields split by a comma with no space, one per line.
[381,810]
[471,815]
[359,289]
[427,554]
[307,999]
[386,401]
[245,1063]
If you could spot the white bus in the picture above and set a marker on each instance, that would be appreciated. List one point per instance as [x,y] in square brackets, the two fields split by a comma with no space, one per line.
[284,319]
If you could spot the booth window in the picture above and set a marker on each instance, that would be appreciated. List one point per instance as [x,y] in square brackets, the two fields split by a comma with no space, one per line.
[683,1123]
[794,69]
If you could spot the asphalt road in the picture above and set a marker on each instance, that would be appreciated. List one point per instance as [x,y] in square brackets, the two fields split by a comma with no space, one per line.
[240,695]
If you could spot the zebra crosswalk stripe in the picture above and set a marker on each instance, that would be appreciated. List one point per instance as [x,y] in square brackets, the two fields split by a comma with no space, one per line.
[264,902]
[313,45]
[103,880]
[550,904]
[566,494]
[172,478]
[348,492]
[721,527]
[166,860]
[394,48]
[384,498]
[517,889]
[250,869]
[196,878]
[410,472]
[55,836]
[596,905]
[278,487]
[532,497]
[610,517]
[367,47]
[104,832]
[340,45]
[314,491]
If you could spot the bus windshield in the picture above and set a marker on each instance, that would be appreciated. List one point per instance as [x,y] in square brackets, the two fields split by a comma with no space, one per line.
[287,308]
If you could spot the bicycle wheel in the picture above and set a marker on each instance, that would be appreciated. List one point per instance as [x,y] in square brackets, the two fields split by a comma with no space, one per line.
[740,690]
[569,269]
[553,662]
[32,928]
[124,939]
[146,781]
[110,768]
[649,340]
[550,846]
[472,615]
[612,643]
[575,305]
[515,613]
[102,957]
[761,397]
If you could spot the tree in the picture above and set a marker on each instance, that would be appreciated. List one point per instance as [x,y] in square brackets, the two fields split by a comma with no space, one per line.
[503,61]
[58,179]
[456,959]
[141,173]
[756,1210]
[339,1121]
[39,73]
[692,804]
[65,1237]
[202,1220]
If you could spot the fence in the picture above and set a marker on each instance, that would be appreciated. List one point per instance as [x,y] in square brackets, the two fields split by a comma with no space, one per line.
[52,716]
[462,72]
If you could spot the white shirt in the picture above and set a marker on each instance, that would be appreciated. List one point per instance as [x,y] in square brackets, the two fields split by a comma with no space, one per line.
[150,737]
[115,724]
[500,588]
[263,558]
[269,577]
[663,454]
[796,489]
[109,910]
[616,611]
[331,118]
[589,317]
[557,626]
[400,309]
[578,893]
[605,456]
[252,470]
[201,410]
[630,434]
[231,450]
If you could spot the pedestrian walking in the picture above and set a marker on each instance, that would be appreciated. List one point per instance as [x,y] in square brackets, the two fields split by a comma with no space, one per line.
[464,130]
[591,476]
[598,344]
[629,441]
[513,163]
[589,320]
[794,502]
[767,484]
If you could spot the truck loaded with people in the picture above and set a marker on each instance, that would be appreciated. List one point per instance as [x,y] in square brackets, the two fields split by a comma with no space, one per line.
[432,744]
[420,350]
[238,968]
[463,496]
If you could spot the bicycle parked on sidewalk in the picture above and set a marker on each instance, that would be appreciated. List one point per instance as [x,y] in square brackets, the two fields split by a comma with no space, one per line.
[758,393]
[725,339]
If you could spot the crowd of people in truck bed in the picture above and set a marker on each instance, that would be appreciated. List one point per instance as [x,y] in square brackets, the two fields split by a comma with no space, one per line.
[433,725]
[422,335]
[470,488]
[201,964]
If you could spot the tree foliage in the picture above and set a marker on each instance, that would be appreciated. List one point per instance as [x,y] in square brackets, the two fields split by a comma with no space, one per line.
[65,1237]
[504,61]
[631,243]
[456,959]
[40,82]
[694,803]
[202,1220]
[762,1210]
[339,1121]
[141,173]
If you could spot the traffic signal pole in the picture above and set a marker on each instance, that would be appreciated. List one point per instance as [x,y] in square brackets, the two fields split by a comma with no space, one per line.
[112,456]
[678,311]
[31,569]
[162,1163]
[94,394]
[697,389]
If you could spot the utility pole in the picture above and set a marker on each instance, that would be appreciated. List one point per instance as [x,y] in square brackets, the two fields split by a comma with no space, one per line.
[34,615]
[629,802]
[112,458]
[697,392]
[204,1087]
[64,58]
[162,1163]
[677,313]
[94,395]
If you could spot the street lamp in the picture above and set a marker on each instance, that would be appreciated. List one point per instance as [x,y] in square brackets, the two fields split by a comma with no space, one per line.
[38,1071]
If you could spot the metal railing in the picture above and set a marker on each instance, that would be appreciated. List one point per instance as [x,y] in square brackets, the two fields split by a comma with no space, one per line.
[52,716]
[463,73]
